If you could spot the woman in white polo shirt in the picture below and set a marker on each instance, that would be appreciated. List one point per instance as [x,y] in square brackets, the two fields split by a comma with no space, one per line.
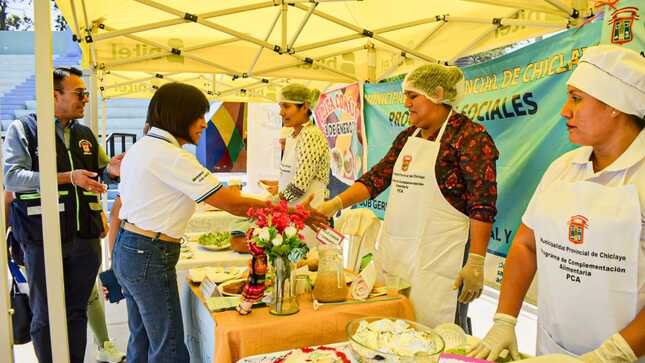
[161,183]
[583,231]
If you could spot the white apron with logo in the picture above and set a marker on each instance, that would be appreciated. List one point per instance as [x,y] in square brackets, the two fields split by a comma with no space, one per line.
[587,243]
[288,168]
[423,236]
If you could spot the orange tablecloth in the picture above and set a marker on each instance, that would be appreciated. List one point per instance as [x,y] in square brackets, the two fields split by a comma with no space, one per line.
[238,336]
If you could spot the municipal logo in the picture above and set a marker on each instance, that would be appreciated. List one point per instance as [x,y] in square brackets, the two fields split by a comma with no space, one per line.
[577,225]
[407,159]
[86,146]
[622,24]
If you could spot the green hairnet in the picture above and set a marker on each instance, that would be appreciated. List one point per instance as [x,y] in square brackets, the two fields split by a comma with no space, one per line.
[297,93]
[438,83]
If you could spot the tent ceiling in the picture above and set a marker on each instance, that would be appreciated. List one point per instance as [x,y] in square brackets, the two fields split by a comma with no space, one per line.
[226,47]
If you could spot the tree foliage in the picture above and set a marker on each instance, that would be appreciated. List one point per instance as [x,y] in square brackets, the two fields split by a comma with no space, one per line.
[11,20]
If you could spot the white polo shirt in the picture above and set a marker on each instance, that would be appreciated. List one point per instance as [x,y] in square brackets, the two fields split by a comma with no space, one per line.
[576,166]
[161,184]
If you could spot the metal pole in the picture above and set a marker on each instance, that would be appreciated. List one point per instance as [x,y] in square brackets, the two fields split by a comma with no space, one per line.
[283,45]
[257,55]
[94,99]
[6,329]
[48,184]
[302,25]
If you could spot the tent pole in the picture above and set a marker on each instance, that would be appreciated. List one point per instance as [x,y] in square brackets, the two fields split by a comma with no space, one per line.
[524,6]
[187,55]
[381,39]
[48,184]
[387,29]
[420,44]
[284,19]
[508,21]
[78,30]
[94,94]
[135,81]
[257,55]
[470,45]
[560,5]
[180,20]
[302,25]
[88,29]
[6,329]
[325,43]
[371,62]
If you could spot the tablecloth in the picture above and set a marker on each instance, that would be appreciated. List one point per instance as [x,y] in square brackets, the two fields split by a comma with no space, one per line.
[226,337]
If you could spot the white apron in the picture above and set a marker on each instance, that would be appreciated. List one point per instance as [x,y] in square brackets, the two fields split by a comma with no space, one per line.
[423,236]
[584,229]
[288,168]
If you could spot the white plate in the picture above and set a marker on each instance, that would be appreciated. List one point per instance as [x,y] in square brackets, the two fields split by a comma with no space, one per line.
[221,287]
[215,248]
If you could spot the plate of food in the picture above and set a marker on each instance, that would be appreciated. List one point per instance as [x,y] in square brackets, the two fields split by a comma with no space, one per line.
[215,241]
[232,287]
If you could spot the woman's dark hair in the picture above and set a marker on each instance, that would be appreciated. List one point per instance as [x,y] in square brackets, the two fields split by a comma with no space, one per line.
[175,107]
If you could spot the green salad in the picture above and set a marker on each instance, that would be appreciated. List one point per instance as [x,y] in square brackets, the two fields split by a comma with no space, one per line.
[217,239]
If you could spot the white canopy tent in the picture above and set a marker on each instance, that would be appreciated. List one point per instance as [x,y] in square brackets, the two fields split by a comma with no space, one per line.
[245,49]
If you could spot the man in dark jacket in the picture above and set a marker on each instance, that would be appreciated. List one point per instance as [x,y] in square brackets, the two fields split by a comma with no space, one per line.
[80,160]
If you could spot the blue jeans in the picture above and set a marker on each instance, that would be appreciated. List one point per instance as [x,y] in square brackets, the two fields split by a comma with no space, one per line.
[79,276]
[145,268]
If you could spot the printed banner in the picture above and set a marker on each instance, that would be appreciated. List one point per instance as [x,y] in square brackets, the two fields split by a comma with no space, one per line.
[623,25]
[385,118]
[517,98]
[222,146]
[339,115]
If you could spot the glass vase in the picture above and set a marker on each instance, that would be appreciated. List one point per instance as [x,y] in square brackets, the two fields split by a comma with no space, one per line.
[285,301]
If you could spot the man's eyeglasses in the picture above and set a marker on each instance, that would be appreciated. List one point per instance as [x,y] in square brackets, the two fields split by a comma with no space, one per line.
[80,93]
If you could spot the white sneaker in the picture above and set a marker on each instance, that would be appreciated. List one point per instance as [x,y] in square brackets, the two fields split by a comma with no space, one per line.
[109,353]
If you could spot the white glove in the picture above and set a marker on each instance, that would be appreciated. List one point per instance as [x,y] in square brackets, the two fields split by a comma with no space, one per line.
[472,276]
[330,207]
[613,350]
[501,336]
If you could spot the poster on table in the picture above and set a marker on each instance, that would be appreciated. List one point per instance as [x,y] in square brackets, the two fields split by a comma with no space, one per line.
[339,115]
[517,98]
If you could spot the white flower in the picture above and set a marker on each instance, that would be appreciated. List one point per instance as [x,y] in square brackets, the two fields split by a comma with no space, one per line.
[256,232]
[265,235]
[290,231]
[277,241]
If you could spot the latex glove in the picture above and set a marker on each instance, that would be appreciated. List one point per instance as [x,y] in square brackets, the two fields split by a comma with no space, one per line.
[613,350]
[501,336]
[330,207]
[472,276]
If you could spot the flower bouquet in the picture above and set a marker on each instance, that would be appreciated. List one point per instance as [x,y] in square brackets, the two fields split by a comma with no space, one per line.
[276,237]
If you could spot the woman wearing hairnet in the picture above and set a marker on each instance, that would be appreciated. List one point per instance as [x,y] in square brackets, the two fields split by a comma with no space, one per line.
[586,220]
[304,169]
[443,191]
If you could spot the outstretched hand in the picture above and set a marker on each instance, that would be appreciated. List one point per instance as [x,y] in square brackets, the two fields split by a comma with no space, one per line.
[316,220]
